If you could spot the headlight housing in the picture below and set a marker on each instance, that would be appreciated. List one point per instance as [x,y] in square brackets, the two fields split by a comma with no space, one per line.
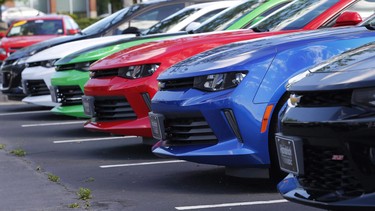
[364,97]
[83,66]
[3,51]
[48,63]
[218,82]
[138,71]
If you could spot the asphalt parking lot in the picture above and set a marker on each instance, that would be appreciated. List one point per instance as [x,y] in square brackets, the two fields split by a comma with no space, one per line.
[120,172]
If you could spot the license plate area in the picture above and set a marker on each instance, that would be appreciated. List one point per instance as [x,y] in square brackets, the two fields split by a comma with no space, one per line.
[157,125]
[290,154]
[88,105]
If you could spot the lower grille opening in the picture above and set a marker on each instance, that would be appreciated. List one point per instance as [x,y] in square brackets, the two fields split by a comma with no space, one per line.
[36,87]
[69,95]
[113,108]
[192,130]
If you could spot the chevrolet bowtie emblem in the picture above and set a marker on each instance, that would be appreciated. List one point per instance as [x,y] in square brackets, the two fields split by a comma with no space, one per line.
[294,100]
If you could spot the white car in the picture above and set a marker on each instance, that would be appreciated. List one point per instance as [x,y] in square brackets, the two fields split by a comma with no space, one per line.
[36,77]
[197,13]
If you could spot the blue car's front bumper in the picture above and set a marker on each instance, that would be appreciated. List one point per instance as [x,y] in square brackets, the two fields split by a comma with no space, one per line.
[247,148]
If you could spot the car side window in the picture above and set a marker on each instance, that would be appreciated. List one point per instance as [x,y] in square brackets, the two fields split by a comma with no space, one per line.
[151,17]
[365,8]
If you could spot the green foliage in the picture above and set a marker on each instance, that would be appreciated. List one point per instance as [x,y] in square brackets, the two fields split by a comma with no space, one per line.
[2,146]
[90,179]
[53,178]
[84,193]
[18,152]
[74,205]
[85,22]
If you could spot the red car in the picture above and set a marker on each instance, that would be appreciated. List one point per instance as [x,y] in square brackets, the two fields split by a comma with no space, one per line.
[118,95]
[25,32]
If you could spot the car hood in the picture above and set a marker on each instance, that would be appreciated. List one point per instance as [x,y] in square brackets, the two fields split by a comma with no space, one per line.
[173,49]
[24,40]
[236,56]
[352,69]
[58,51]
[31,50]
[96,52]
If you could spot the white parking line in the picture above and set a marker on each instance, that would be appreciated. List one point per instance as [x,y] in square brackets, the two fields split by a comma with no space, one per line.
[231,204]
[143,164]
[53,124]
[24,112]
[92,139]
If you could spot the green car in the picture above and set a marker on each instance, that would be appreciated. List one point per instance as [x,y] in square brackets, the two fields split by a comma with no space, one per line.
[72,71]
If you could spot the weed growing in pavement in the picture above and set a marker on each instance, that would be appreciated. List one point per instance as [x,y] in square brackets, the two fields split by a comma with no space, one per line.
[73,205]
[53,178]
[18,152]
[90,179]
[84,193]
[2,146]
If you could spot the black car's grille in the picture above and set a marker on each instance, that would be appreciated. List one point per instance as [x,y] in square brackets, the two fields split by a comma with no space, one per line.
[6,79]
[325,174]
[36,87]
[178,83]
[113,108]
[192,130]
[105,73]
[69,95]
[325,99]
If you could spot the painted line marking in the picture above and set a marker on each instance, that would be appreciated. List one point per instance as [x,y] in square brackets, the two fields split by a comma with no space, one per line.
[53,124]
[24,112]
[92,139]
[231,204]
[143,164]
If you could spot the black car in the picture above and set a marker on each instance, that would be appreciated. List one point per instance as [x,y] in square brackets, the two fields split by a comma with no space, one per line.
[327,138]
[131,19]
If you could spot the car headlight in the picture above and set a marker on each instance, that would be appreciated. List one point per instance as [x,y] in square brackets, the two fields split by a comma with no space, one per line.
[3,51]
[20,61]
[364,97]
[218,82]
[83,66]
[48,63]
[138,71]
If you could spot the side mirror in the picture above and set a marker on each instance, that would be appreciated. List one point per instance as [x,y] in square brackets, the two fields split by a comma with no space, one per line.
[2,34]
[348,19]
[73,31]
[192,26]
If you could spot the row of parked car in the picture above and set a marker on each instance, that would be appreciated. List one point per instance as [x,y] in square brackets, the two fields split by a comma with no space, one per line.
[261,87]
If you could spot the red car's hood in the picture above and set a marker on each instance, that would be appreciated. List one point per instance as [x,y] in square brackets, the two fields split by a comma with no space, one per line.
[175,50]
[23,41]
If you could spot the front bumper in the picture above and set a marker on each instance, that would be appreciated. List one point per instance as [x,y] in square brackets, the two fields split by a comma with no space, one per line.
[134,95]
[193,107]
[338,160]
[71,84]
[11,81]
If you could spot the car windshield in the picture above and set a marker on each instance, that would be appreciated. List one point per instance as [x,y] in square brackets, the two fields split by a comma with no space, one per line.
[112,20]
[166,24]
[36,27]
[293,16]
[228,17]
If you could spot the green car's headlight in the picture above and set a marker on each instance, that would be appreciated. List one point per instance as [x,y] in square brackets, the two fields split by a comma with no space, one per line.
[218,82]
[364,97]
[138,71]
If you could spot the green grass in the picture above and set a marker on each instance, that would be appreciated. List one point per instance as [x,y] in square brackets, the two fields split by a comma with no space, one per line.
[73,205]
[84,193]
[2,146]
[53,178]
[18,152]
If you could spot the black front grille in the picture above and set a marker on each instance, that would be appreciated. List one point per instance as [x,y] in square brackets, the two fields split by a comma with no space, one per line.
[105,73]
[69,95]
[189,131]
[113,108]
[324,174]
[36,87]
[325,99]
[6,79]
[178,83]
[66,67]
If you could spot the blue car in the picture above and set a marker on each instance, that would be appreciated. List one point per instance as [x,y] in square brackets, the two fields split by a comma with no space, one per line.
[221,107]
[327,134]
